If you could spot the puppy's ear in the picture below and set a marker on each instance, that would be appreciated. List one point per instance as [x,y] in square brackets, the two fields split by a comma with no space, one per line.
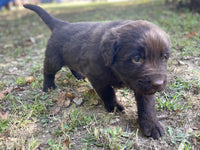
[110,46]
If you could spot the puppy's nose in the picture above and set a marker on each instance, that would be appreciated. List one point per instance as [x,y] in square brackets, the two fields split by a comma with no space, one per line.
[157,83]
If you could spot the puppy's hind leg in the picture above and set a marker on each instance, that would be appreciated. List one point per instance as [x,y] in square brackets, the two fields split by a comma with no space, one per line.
[51,66]
[107,94]
[77,75]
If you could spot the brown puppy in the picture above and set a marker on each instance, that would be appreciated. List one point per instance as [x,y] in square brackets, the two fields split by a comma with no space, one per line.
[112,54]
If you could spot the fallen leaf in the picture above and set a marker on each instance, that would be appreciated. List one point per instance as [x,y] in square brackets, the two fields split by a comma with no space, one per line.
[182,14]
[8,90]
[54,100]
[58,75]
[69,95]
[181,62]
[3,115]
[18,88]
[195,128]
[64,99]
[12,139]
[94,102]
[91,92]
[30,40]
[64,81]
[194,141]
[9,46]
[163,117]
[56,111]
[2,138]
[13,69]
[5,92]
[39,36]
[78,101]
[96,132]
[190,35]
[67,103]
[61,98]
[67,142]
[29,79]
[2,95]
[21,55]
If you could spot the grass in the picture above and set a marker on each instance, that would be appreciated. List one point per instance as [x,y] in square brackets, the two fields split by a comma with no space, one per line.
[36,121]
[3,125]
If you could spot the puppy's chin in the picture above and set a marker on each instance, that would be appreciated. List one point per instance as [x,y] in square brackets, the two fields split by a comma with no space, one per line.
[150,91]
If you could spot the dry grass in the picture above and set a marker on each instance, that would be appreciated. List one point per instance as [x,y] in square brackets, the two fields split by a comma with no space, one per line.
[31,119]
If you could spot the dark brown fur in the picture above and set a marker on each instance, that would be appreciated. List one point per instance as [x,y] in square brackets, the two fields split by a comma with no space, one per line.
[113,54]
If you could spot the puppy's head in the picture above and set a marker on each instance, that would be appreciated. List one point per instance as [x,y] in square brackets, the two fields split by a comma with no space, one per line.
[138,52]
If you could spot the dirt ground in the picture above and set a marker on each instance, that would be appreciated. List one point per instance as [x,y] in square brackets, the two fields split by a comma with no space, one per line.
[72,116]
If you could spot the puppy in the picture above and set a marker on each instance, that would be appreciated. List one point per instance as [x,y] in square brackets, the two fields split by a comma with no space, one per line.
[112,54]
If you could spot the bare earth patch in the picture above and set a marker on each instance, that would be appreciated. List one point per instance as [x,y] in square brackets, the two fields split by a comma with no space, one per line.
[72,116]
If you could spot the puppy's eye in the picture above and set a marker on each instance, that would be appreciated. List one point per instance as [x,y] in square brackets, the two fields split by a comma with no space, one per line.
[137,60]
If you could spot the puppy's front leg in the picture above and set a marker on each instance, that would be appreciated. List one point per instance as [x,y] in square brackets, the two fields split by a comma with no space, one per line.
[147,115]
[107,94]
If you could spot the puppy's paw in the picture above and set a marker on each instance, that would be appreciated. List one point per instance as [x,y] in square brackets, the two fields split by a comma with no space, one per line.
[111,107]
[152,129]
[47,88]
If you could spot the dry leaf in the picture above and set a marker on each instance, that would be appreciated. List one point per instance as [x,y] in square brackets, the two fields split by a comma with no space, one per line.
[64,99]
[12,70]
[190,35]
[8,90]
[91,92]
[2,95]
[94,102]
[56,111]
[67,142]
[69,95]
[67,103]
[9,46]
[60,102]
[17,88]
[5,92]
[3,115]
[32,40]
[12,139]
[64,81]
[29,79]
[58,75]
[194,141]
[61,98]
[78,101]
[195,128]
[54,100]
[40,36]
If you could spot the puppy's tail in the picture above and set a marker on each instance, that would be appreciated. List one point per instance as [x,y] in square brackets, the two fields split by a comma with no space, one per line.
[50,21]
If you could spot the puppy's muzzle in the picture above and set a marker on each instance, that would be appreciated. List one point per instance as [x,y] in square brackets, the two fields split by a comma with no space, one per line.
[158,84]
[151,84]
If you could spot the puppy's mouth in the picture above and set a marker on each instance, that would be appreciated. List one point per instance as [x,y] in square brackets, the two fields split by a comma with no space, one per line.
[150,87]
[149,92]
[152,91]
